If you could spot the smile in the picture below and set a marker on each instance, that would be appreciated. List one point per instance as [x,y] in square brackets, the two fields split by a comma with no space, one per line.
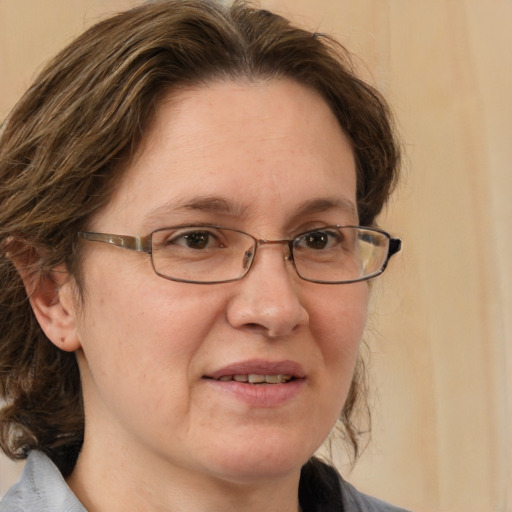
[259,383]
[253,378]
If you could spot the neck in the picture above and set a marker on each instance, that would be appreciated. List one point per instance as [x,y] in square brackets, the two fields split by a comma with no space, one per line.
[114,480]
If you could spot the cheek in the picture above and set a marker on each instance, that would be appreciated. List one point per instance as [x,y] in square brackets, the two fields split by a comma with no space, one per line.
[338,328]
[137,330]
[340,319]
[138,352]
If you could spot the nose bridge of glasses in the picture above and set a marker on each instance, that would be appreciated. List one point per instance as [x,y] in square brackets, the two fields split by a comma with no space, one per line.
[288,243]
[250,254]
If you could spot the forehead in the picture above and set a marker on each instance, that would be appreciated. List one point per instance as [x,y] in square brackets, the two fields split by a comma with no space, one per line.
[239,148]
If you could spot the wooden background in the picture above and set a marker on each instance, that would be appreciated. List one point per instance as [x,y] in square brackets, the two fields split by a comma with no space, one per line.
[441,325]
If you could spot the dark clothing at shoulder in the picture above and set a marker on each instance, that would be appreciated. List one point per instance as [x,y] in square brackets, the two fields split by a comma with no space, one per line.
[43,489]
[322,489]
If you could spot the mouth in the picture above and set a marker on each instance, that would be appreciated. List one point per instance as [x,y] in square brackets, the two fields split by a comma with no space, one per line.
[259,383]
[253,378]
[259,372]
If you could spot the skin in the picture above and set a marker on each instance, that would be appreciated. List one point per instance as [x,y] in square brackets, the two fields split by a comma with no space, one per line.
[159,435]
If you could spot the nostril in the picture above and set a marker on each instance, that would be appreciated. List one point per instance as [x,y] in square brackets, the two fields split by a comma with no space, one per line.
[254,326]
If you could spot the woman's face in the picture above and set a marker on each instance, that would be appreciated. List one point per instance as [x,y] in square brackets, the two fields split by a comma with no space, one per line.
[267,158]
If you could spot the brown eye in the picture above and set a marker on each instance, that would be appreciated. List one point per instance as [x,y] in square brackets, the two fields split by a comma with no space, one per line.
[317,240]
[197,240]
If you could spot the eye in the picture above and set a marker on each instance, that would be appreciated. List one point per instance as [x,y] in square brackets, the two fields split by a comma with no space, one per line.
[318,240]
[197,240]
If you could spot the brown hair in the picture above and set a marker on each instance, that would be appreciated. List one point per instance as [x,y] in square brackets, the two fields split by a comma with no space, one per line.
[61,151]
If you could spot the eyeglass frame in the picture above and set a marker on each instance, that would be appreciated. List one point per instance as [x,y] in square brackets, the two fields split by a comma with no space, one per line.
[144,244]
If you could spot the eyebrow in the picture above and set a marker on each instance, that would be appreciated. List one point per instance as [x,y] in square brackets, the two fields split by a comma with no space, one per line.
[323,204]
[220,205]
[208,204]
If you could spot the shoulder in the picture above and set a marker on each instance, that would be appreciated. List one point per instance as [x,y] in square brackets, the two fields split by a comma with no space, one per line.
[40,489]
[322,489]
[354,500]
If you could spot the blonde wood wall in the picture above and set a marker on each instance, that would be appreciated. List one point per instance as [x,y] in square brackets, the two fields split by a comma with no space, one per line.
[441,324]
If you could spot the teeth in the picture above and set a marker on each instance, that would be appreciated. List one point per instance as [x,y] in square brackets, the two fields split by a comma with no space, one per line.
[254,378]
[277,379]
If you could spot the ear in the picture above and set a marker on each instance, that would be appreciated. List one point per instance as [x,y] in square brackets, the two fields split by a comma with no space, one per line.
[53,298]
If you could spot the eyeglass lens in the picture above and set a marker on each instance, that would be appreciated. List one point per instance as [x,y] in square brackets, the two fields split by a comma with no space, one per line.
[211,254]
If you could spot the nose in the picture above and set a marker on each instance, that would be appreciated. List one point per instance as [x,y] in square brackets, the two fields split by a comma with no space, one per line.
[268,299]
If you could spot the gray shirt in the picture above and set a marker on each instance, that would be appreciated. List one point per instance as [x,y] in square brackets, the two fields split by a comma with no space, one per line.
[43,489]
[40,489]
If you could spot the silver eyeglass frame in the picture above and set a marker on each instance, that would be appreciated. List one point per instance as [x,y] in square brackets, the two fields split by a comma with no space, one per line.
[144,244]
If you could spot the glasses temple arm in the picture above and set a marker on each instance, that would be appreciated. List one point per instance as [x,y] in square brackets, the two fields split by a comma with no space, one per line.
[395,244]
[134,243]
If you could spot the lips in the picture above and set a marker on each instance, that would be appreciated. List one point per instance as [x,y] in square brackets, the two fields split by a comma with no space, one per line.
[253,378]
[258,383]
[259,372]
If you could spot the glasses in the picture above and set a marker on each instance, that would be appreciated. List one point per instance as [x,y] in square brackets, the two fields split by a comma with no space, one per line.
[214,254]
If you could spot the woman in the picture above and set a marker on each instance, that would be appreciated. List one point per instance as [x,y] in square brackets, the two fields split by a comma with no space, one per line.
[173,186]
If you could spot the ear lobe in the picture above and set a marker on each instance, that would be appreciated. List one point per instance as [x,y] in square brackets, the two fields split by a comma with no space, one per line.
[52,297]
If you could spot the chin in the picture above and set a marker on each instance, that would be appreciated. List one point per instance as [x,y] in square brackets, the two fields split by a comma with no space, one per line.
[252,472]
[264,458]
